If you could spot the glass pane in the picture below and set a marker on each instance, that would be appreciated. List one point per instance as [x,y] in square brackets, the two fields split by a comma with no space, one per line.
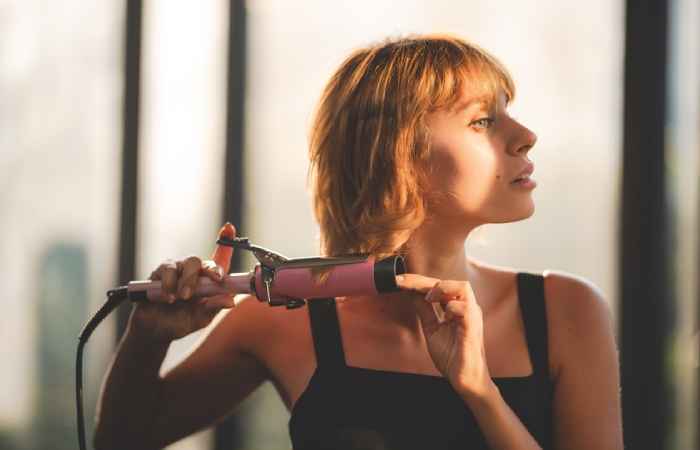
[683,173]
[60,131]
[182,144]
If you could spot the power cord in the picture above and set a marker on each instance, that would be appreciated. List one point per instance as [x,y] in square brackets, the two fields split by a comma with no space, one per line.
[114,298]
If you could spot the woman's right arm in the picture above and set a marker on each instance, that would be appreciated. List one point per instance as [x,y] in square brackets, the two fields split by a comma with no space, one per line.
[141,410]
[130,391]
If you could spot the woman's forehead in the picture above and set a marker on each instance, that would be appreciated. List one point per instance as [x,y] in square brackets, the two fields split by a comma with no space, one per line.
[480,99]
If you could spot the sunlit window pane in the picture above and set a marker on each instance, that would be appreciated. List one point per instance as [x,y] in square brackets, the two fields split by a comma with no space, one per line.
[182,143]
[683,173]
[60,132]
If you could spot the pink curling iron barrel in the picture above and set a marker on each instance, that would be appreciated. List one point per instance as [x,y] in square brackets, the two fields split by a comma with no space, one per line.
[282,281]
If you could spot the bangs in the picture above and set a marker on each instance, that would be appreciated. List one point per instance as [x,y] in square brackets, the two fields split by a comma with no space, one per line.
[468,69]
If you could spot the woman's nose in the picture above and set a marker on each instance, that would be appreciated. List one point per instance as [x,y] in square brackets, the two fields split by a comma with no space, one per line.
[526,138]
[530,138]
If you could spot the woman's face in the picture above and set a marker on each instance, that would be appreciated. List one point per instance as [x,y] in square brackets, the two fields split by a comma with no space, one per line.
[476,153]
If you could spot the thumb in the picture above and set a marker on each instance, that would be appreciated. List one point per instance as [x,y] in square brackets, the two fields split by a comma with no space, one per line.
[222,253]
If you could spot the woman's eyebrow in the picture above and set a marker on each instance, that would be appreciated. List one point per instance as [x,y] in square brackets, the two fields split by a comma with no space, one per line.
[466,104]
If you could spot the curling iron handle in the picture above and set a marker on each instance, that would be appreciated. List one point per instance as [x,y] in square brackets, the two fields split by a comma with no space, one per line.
[233,283]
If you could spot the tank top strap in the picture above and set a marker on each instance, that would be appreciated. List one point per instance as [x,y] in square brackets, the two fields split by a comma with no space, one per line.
[325,332]
[534,313]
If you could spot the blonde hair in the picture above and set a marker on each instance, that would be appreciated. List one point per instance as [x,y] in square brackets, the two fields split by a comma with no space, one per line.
[369,143]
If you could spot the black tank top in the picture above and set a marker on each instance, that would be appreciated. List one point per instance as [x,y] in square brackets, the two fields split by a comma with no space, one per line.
[346,407]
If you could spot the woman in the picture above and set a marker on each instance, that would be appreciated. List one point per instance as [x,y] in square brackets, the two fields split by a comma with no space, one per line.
[411,148]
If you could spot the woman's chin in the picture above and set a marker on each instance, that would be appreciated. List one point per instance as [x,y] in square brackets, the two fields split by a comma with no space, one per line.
[521,210]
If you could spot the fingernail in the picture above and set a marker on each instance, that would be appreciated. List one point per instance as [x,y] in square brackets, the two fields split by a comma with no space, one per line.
[399,277]
[186,292]
[171,297]
[230,234]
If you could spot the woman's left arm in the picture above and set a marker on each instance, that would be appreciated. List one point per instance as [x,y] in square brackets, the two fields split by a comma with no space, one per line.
[586,406]
[586,410]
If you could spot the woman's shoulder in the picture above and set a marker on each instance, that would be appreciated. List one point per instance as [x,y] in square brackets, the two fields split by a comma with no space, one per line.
[261,327]
[573,304]
[578,316]
[573,297]
[566,289]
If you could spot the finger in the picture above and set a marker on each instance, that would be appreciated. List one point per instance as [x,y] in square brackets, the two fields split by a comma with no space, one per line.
[155,275]
[168,273]
[211,270]
[447,290]
[190,275]
[455,308]
[222,253]
[415,282]
[218,302]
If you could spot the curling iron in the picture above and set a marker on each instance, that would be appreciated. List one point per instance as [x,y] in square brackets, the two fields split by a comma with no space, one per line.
[276,279]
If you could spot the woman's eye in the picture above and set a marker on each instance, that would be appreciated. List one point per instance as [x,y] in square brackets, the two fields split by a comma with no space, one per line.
[484,122]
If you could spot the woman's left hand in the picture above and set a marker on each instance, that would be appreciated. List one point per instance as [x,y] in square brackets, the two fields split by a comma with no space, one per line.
[456,341]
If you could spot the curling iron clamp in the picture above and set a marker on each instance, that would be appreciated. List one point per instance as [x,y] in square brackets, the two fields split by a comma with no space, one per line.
[279,280]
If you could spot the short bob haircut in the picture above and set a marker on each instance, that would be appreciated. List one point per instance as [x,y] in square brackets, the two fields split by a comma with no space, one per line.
[369,143]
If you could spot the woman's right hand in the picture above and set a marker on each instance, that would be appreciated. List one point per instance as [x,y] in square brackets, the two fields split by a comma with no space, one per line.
[185,314]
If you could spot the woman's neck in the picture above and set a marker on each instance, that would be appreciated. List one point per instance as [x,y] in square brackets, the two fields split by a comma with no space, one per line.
[432,251]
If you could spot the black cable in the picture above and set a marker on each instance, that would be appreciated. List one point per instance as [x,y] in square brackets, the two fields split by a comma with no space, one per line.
[114,298]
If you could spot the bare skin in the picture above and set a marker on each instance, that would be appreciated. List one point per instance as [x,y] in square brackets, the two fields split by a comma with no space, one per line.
[477,151]
[476,155]
[370,342]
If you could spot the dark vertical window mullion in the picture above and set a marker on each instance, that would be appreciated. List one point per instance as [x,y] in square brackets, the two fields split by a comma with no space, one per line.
[697,323]
[647,295]
[697,329]
[129,181]
[228,432]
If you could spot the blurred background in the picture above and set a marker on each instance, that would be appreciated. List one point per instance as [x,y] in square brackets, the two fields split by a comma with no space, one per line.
[130,131]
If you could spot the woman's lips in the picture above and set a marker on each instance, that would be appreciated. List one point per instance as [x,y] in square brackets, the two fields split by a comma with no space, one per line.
[526,182]
[526,172]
